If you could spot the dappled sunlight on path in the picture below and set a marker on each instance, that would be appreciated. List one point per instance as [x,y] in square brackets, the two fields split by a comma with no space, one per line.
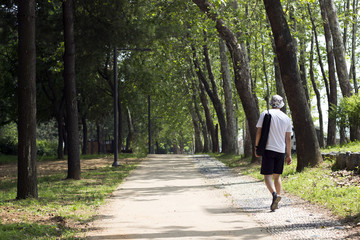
[167,198]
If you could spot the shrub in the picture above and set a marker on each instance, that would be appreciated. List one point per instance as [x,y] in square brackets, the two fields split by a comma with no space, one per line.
[46,148]
[8,139]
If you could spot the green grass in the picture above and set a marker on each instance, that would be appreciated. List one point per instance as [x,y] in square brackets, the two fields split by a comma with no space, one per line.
[6,159]
[70,201]
[349,147]
[314,184]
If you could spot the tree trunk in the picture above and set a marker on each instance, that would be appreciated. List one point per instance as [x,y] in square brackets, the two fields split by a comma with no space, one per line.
[303,76]
[85,135]
[317,93]
[207,127]
[207,144]
[279,85]
[120,127]
[346,21]
[332,91]
[214,96]
[339,49]
[307,145]
[60,122]
[241,68]
[27,174]
[74,171]
[231,129]
[339,53]
[208,117]
[353,43]
[247,141]
[198,143]
[99,138]
[130,129]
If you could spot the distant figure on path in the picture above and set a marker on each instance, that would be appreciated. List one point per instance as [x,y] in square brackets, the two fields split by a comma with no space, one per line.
[278,143]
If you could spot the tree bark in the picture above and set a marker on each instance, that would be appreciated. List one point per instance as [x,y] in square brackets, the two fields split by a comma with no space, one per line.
[332,91]
[279,85]
[317,93]
[241,68]
[353,43]
[231,129]
[209,120]
[130,129]
[198,143]
[303,76]
[247,141]
[85,135]
[210,142]
[338,47]
[214,96]
[346,11]
[206,138]
[27,174]
[74,171]
[307,145]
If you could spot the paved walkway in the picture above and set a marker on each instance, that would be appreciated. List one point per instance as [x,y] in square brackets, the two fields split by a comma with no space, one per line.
[166,197]
[197,197]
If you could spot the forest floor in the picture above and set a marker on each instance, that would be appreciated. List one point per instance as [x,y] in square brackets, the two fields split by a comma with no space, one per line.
[10,215]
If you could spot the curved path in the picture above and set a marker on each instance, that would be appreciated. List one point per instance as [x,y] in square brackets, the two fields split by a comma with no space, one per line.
[197,197]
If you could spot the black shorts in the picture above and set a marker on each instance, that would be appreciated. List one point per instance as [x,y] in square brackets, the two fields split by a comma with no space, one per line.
[272,162]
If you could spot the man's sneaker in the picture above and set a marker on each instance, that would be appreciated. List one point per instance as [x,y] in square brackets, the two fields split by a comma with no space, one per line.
[275,202]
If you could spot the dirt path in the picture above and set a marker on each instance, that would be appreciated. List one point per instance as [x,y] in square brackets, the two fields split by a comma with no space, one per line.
[167,198]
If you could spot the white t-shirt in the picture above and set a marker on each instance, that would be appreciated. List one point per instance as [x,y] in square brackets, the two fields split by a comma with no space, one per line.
[279,126]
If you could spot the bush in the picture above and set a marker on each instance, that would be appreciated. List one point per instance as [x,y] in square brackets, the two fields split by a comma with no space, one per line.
[46,148]
[8,146]
[347,113]
[8,139]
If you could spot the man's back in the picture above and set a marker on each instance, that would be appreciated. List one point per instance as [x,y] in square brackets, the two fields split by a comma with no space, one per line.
[280,125]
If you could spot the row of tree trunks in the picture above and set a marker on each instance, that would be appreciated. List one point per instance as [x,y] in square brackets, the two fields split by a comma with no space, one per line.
[307,145]
[339,53]
[332,89]
[231,126]
[317,93]
[241,68]
[215,98]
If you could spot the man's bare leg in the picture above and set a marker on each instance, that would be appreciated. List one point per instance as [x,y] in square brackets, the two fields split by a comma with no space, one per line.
[273,186]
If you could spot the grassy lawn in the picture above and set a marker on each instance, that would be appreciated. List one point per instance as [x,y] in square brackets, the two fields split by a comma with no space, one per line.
[64,207]
[338,191]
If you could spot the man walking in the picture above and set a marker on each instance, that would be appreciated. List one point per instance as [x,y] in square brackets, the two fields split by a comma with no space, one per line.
[278,143]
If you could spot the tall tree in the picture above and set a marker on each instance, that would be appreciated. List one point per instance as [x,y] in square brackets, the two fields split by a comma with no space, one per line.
[332,88]
[215,98]
[307,145]
[353,43]
[317,93]
[74,170]
[231,127]
[338,47]
[339,53]
[241,68]
[27,176]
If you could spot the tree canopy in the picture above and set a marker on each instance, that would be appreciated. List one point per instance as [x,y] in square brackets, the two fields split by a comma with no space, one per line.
[169,50]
